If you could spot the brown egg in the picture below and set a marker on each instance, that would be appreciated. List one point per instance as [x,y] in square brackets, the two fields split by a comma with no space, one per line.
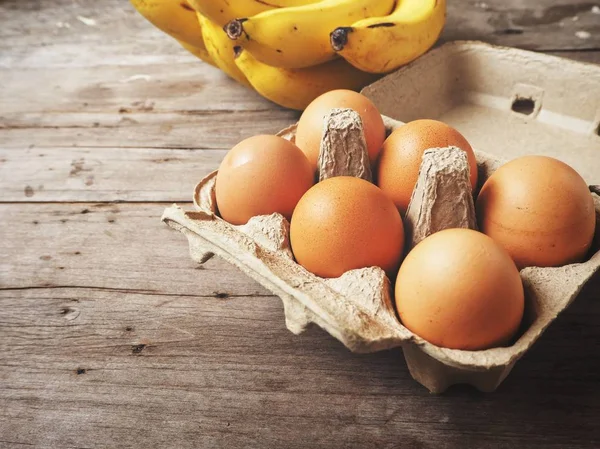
[459,289]
[310,126]
[259,176]
[540,210]
[402,152]
[344,223]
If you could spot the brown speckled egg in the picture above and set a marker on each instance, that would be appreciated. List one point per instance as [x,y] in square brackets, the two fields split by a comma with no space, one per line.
[402,153]
[259,176]
[459,289]
[310,126]
[540,210]
[343,223]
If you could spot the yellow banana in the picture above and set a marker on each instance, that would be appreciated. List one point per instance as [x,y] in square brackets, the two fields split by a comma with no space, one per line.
[296,88]
[199,52]
[175,17]
[220,49]
[298,37]
[382,44]
[222,11]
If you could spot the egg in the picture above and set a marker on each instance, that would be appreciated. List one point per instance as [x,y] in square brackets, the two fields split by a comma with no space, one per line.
[261,175]
[343,223]
[402,153]
[459,289]
[540,210]
[310,125]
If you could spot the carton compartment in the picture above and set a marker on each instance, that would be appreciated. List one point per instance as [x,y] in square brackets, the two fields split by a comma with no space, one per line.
[506,102]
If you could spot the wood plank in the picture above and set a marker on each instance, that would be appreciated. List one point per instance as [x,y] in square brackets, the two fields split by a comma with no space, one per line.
[85,367]
[201,130]
[77,69]
[116,247]
[187,87]
[52,34]
[103,174]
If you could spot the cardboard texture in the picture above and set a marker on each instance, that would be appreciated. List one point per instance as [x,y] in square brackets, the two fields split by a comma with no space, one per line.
[343,149]
[506,102]
[442,197]
[356,308]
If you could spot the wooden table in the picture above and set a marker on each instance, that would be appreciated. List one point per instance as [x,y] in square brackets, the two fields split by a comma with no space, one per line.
[110,336]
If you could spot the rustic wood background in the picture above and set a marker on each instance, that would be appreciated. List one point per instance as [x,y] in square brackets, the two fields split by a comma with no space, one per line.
[110,336]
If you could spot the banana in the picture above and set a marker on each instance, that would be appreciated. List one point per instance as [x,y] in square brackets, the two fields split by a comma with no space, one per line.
[298,37]
[220,49]
[200,52]
[175,17]
[382,44]
[296,88]
[222,11]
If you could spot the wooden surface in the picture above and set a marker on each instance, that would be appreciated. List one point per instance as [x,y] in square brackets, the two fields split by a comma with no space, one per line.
[110,336]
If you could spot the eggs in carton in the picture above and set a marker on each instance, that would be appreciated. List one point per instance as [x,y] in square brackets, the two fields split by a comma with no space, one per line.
[356,308]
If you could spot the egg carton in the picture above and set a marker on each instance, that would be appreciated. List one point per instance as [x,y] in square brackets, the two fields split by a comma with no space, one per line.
[510,102]
[357,308]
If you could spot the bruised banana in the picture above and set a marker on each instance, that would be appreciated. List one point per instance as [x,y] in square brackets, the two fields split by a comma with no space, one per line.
[175,17]
[382,44]
[222,11]
[298,37]
[296,88]
[220,49]
[200,52]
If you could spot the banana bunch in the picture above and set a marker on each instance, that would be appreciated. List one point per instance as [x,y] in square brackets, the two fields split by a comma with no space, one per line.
[292,51]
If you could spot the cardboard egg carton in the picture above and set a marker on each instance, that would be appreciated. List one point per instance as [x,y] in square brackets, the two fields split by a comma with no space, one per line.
[357,308]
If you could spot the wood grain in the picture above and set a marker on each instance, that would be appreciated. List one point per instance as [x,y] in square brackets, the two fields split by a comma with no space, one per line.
[111,337]
[169,130]
[90,368]
[111,246]
[125,89]
[103,174]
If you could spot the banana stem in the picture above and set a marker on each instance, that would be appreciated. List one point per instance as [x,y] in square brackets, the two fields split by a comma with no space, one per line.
[234,28]
[339,37]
